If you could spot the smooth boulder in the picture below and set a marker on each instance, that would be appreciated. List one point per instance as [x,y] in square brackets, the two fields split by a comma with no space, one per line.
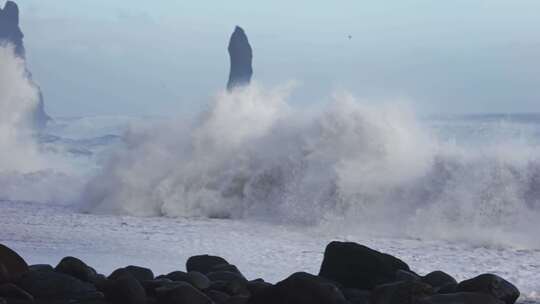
[195,278]
[438,279]
[204,263]
[181,293]
[225,276]
[76,268]
[12,265]
[125,289]
[40,267]
[12,291]
[404,275]
[460,298]
[357,296]
[256,286]
[300,288]
[140,273]
[404,292]
[4,274]
[217,296]
[493,285]
[50,285]
[356,266]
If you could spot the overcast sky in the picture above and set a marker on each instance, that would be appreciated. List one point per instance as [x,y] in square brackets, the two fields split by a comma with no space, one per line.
[95,57]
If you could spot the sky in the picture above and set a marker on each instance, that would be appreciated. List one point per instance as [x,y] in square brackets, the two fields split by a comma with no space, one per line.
[132,57]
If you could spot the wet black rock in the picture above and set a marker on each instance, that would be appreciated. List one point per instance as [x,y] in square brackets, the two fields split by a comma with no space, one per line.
[204,263]
[225,276]
[76,268]
[4,274]
[52,285]
[493,285]
[237,288]
[195,278]
[400,293]
[226,267]
[241,56]
[181,293]
[12,291]
[404,275]
[151,286]
[237,300]
[357,296]
[300,288]
[140,273]
[447,288]
[12,265]
[125,289]
[438,279]
[257,286]
[460,298]
[217,296]
[41,267]
[355,266]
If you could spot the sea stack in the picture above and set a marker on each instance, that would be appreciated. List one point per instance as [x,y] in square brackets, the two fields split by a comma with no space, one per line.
[241,58]
[10,33]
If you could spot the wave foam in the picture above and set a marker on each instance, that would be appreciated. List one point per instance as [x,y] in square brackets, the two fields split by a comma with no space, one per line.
[352,166]
[26,172]
[18,100]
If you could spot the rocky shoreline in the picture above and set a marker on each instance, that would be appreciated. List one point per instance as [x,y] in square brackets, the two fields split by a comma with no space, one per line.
[350,273]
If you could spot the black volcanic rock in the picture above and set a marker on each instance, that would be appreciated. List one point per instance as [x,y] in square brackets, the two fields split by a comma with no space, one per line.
[400,293]
[241,57]
[300,288]
[204,263]
[493,285]
[181,293]
[76,268]
[10,33]
[350,274]
[11,265]
[439,279]
[356,266]
[51,285]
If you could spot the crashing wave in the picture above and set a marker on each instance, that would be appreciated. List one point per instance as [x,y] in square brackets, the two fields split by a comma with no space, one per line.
[368,168]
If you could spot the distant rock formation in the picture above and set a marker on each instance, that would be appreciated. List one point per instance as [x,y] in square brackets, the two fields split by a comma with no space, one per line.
[241,58]
[9,27]
[10,32]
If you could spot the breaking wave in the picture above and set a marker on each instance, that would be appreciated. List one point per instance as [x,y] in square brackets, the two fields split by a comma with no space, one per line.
[26,173]
[18,100]
[375,169]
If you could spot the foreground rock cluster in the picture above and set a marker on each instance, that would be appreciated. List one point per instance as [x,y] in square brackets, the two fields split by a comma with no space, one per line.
[350,273]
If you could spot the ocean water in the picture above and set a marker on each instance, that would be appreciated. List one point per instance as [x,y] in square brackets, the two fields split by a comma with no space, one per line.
[260,181]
